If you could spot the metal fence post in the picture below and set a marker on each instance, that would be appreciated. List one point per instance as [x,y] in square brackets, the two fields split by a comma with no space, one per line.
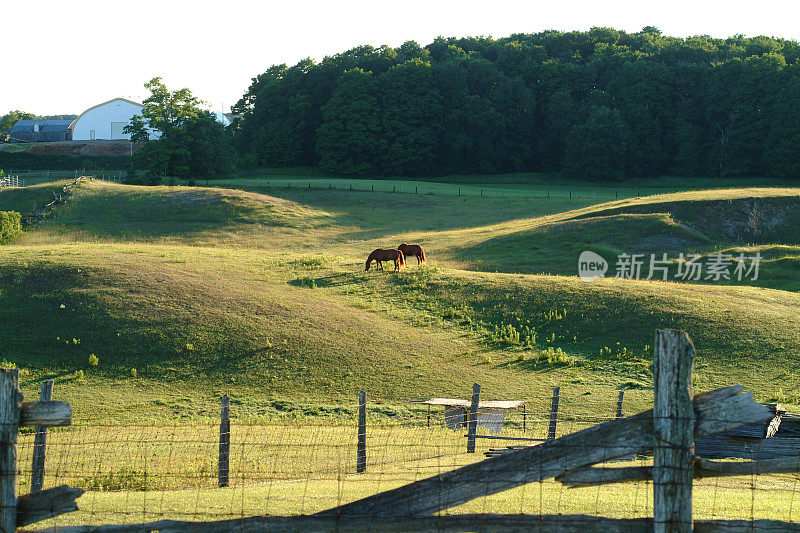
[224,442]
[551,430]
[472,424]
[361,449]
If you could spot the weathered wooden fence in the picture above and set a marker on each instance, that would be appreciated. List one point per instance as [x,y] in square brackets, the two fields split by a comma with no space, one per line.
[58,198]
[668,431]
[38,505]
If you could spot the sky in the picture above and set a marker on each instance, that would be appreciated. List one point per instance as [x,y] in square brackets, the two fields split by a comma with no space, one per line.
[62,57]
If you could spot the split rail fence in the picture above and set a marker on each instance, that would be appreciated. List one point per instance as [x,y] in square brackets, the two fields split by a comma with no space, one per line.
[58,198]
[586,457]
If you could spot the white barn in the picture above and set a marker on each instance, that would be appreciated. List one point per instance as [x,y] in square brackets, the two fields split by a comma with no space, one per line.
[106,121]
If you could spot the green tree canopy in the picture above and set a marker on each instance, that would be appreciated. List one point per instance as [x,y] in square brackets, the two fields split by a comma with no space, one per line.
[11,118]
[348,141]
[191,143]
[595,150]
[689,106]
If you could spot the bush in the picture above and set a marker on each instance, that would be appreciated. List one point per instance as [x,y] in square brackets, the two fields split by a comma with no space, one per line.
[10,225]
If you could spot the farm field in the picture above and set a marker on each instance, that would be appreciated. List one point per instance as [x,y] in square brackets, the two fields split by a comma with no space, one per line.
[184,294]
[295,469]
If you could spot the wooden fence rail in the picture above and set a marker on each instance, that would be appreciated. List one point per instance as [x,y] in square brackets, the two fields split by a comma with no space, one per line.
[39,505]
[669,431]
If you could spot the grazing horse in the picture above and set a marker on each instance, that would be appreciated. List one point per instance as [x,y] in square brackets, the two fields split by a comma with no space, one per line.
[413,249]
[380,255]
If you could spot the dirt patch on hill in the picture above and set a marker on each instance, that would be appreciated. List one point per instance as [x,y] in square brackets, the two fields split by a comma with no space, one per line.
[264,198]
[210,197]
[111,148]
[745,220]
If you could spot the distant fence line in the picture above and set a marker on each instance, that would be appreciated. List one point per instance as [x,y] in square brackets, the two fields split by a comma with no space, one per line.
[355,185]
[11,181]
[64,174]
[447,190]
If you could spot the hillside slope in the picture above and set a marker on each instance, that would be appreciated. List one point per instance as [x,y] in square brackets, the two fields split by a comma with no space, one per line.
[208,291]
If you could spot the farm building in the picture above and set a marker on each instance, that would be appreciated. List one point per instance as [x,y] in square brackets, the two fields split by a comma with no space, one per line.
[38,130]
[222,118]
[106,121]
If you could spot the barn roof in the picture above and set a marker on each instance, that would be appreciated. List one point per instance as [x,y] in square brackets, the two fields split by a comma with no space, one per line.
[44,125]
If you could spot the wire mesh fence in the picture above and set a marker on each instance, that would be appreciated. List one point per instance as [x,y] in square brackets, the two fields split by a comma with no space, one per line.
[145,473]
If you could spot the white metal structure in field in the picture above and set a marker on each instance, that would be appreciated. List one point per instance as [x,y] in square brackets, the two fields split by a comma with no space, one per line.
[106,121]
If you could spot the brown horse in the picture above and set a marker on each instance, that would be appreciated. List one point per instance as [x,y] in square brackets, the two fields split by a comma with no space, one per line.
[413,249]
[380,255]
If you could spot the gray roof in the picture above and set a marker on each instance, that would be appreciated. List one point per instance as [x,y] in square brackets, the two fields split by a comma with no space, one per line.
[44,125]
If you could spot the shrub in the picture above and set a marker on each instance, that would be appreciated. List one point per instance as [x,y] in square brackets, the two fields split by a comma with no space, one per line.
[10,225]
[313,262]
[62,161]
[134,373]
[93,360]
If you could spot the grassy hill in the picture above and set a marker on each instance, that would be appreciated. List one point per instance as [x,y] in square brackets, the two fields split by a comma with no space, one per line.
[212,291]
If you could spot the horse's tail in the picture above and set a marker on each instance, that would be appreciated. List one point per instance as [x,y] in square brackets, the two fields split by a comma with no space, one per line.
[422,253]
[402,258]
[366,266]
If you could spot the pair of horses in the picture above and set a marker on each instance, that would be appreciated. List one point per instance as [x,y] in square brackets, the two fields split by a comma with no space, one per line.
[398,255]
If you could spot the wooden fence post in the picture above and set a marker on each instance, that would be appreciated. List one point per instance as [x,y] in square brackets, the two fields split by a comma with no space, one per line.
[472,427]
[673,427]
[10,399]
[551,431]
[224,441]
[361,450]
[524,417]
[40,444]
[619,403]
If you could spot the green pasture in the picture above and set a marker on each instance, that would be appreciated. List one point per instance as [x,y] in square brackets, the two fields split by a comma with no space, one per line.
[138,474]
[147,304]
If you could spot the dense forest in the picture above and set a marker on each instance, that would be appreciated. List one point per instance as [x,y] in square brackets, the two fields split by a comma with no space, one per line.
[602,105]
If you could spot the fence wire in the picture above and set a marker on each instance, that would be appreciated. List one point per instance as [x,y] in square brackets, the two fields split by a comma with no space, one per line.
[145,473]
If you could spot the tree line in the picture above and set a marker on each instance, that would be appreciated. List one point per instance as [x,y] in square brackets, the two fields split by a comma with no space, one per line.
[600,105]
[11,118]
